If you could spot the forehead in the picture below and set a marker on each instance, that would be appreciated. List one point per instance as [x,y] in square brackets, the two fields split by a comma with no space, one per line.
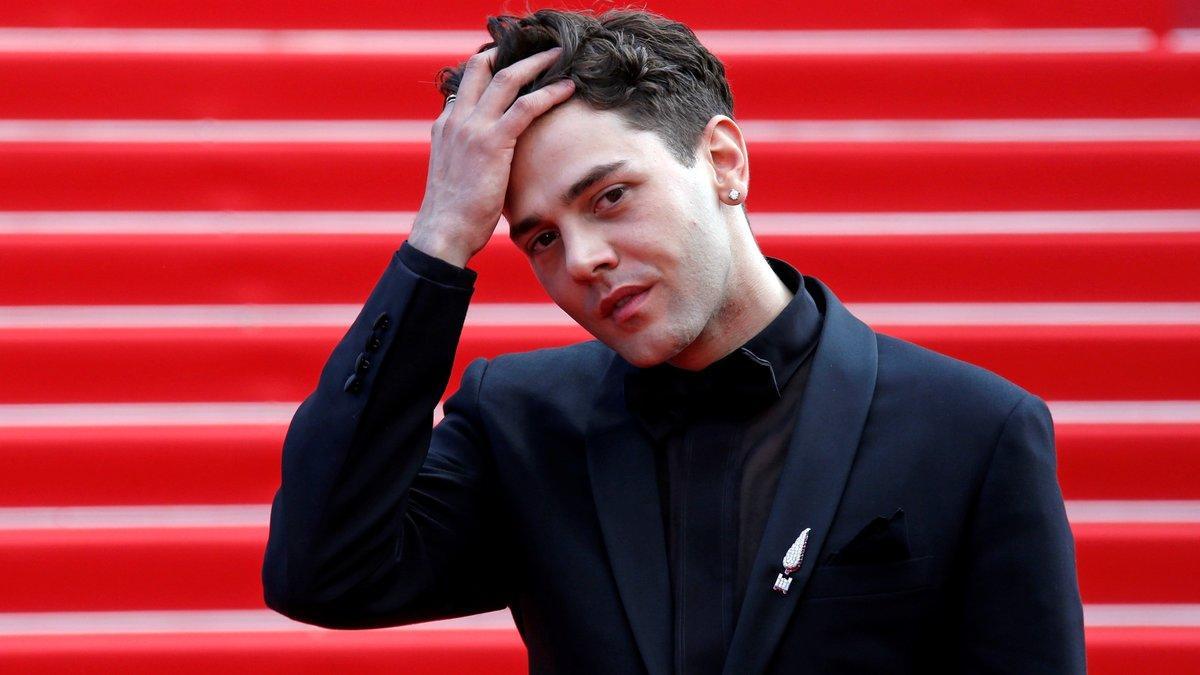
[571,126]
[564,143]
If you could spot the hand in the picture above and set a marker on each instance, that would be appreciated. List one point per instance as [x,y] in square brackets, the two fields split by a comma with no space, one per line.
[472,150]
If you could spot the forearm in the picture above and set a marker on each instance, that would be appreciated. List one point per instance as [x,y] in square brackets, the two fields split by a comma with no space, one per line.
[357,443]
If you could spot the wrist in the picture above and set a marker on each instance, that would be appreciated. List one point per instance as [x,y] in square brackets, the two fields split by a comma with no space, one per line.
[438,249]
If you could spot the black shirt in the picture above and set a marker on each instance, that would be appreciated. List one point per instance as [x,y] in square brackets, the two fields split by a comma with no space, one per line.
[741,409]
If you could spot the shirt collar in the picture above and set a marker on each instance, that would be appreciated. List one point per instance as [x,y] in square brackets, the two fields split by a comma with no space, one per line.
[791,335]
[746,379]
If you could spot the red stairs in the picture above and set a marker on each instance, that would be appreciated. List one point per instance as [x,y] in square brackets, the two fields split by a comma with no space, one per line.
[197,198]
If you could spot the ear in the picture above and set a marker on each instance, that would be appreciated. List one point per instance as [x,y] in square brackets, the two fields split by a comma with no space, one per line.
[723,145]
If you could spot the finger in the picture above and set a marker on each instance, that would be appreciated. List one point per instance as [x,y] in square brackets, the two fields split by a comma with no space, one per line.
[475,78]
[507,81]
[528,107]
[440,120]
[435,129]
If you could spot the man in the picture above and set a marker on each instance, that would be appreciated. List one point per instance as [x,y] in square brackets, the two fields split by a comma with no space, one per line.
[736,476]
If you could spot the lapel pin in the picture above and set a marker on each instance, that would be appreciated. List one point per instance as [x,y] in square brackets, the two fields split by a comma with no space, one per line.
[791,562]
[795,553]
[782,584]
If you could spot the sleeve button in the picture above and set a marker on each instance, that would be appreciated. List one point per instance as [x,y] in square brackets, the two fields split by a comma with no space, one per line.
[382,321]
[362,364]
[374,343]
[353,384]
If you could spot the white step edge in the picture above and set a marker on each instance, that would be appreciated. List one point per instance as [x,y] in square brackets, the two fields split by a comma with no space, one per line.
[537,315]
[174,516]
[399,223]
[208,414]
[460,44]
[265,620]
[1182,40]
[204,132]
[224,414]
[206,621]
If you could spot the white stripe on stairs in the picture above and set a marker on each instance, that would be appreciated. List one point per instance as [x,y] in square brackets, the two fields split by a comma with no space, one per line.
[208,131]
[257,515]
[535,315]
[69,415]
[257,620]
[349,223]
[459,44]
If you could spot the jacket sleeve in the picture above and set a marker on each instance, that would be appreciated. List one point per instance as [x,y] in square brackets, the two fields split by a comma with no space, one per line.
[380,518]
[1022,611]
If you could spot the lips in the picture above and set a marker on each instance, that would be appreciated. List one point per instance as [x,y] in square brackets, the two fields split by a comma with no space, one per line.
[626,308]
[609,302]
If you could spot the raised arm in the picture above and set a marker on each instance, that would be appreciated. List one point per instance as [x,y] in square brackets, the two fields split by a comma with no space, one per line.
[381,519]
[373,499]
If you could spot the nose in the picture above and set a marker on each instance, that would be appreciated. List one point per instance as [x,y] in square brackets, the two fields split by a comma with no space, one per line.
[587,251]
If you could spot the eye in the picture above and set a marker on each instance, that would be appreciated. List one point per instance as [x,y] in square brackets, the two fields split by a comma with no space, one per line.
[540,237]
[619,190]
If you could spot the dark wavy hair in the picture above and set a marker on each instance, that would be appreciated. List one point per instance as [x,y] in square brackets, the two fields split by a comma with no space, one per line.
[650,70]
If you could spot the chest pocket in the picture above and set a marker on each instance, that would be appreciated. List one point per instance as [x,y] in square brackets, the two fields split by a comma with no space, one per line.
[838,581]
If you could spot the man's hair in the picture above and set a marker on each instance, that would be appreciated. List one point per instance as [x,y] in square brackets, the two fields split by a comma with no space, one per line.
[650,70]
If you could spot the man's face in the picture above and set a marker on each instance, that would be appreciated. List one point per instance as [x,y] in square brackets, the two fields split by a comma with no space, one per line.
[648,222]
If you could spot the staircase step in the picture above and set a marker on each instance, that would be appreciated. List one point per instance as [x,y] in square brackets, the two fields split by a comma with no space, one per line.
[297,652]
[349,75]
[77,464]
[1127,461]
[196,464]
[265,353]
[208,557]
[855,131]
[1118,651]
[389,176]
[375,14]
[99,258]
[257,641]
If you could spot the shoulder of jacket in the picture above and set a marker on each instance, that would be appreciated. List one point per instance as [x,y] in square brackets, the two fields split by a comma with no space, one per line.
[933,376]
[549,371]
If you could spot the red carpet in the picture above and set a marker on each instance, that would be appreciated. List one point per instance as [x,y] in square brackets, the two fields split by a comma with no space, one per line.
[199,197]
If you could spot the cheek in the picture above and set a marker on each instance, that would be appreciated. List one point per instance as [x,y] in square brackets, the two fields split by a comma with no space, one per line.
[570,300]
[548,273]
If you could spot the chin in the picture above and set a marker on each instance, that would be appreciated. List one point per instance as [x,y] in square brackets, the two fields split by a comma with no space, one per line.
[641,352]
[642,361]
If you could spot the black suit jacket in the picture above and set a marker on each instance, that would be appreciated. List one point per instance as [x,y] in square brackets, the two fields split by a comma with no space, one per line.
[938,536]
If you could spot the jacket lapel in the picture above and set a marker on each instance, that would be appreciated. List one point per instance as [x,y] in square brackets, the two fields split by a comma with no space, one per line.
[624,484]
[833,410]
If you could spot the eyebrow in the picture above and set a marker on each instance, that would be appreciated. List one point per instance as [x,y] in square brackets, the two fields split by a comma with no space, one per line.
[594,175]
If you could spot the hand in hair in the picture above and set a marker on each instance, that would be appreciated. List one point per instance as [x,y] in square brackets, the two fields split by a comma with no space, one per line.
[472,151]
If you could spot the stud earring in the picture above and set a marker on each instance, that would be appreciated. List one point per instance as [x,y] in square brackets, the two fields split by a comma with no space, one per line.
[734,195]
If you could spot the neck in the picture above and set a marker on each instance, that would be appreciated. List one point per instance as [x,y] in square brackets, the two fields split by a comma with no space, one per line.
[753,298]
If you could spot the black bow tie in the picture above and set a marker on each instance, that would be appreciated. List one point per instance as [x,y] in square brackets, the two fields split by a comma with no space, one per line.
[666,397]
